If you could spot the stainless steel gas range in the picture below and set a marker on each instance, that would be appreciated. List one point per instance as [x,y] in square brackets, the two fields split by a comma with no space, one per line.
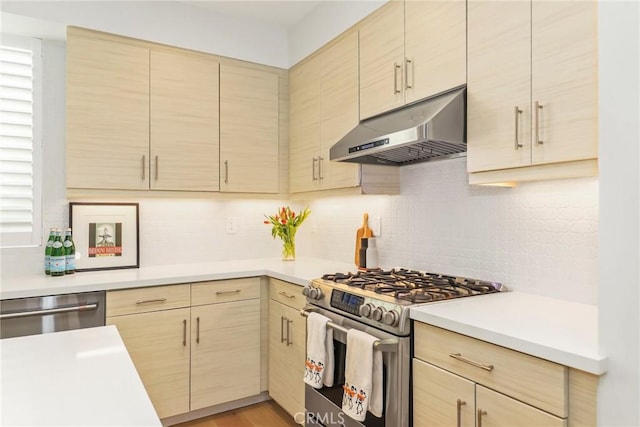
[377,302]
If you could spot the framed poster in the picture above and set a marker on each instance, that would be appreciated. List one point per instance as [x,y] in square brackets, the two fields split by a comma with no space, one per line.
[105,235]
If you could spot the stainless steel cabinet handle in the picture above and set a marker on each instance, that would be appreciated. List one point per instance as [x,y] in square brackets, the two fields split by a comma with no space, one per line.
[226,171]
[480,414]
[143,166]
[313,168]
[237,291]
[408,85]
[198,330]
[146,301]
[396,67]
[538,109]
[459,357]
[459,405]
[286,295]
[184,333]
[320,159]
[49,311]
[289,341]
[156,173]
[517,114]
[282,338]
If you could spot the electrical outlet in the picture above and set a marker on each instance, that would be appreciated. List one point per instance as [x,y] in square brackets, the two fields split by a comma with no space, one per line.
[231,225]
[376,226]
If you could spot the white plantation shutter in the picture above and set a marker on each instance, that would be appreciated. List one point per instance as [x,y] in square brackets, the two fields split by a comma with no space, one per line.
[20,203]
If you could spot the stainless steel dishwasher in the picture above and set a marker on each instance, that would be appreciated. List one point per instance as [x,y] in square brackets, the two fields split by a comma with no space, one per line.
[41,315]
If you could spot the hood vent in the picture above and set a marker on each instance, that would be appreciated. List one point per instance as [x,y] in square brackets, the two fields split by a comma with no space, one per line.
[430,129]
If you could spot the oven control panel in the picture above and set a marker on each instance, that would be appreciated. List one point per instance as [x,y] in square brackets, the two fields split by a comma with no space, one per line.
[346,302]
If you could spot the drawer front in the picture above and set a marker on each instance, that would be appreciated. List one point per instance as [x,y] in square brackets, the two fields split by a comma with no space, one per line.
[287,293]
[497,410]
[538,382]
[225,291]
[144,300]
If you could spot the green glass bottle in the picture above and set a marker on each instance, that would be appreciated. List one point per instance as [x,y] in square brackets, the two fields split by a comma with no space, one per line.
[57,256]
[69,253]
[47,251]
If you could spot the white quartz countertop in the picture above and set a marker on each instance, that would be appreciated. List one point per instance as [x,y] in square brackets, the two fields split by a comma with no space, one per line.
[560,331]
[83,377]
[301,271]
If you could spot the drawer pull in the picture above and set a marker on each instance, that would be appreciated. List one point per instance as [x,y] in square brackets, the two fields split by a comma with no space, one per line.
[237,291]
[480,414]
[147,301]
[459,357]
[286,295]
[459,405]
[198,330]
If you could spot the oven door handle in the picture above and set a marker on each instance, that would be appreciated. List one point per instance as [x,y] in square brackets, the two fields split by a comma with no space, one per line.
[385,346]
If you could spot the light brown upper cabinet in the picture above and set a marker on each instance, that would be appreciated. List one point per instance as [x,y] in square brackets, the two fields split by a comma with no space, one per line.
[107,114]
[248,130]
[184,122]
[410,50]
[323,109]
[140,118]
[532,90]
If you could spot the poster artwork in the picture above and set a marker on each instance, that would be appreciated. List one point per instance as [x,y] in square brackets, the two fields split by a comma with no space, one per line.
[105,239]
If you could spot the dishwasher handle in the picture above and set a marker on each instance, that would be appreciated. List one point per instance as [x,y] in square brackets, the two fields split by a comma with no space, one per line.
[45,312]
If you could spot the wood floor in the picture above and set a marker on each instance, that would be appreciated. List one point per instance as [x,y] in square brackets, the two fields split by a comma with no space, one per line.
[265,414]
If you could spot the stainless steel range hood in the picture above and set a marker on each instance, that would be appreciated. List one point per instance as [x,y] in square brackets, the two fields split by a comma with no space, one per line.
[430,129]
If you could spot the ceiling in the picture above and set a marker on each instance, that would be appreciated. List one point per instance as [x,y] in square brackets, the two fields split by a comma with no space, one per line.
[283,13]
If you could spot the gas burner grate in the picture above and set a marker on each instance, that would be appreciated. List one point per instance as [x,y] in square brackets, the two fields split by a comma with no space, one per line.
[414,286]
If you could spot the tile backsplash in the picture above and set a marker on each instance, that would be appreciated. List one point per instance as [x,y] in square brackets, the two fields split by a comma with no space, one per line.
[538,237]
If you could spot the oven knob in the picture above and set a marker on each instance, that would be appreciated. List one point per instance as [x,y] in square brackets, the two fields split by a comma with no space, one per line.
[366,309]
[378,313]
[390,318]
[315,293]
[305,291]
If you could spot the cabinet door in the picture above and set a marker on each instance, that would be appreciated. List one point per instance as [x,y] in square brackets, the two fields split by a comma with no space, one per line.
[497,410]
[565,80]
[184,122]
[248,130]
[441,398]
[435,45]
[158,343]
[499,80]
[107,114]
[339,109]
[286,361]
[225,356]
[304,128]
[382,60]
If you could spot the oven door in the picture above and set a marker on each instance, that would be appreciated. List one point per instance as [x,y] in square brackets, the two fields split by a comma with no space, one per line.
[324,406]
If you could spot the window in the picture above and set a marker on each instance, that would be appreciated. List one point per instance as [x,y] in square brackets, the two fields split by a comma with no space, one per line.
[20,148]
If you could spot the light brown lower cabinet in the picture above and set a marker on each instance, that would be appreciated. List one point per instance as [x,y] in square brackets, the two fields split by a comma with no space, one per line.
[225,352]
[465,382]
[194,345]
[287,342]
[158,343]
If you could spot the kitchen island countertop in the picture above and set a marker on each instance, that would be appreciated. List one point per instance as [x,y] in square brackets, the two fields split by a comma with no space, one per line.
[301,271]
[561,331]
[82,377]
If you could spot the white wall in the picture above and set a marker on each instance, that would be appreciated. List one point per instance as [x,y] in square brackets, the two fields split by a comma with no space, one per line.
[173,23]
[619,254]
[326,21]
[538,237]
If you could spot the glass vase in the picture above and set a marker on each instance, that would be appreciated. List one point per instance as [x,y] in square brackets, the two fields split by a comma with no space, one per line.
[289,249]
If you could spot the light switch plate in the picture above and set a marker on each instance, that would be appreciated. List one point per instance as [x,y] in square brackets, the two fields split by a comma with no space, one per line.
[231,225]
[376,226]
